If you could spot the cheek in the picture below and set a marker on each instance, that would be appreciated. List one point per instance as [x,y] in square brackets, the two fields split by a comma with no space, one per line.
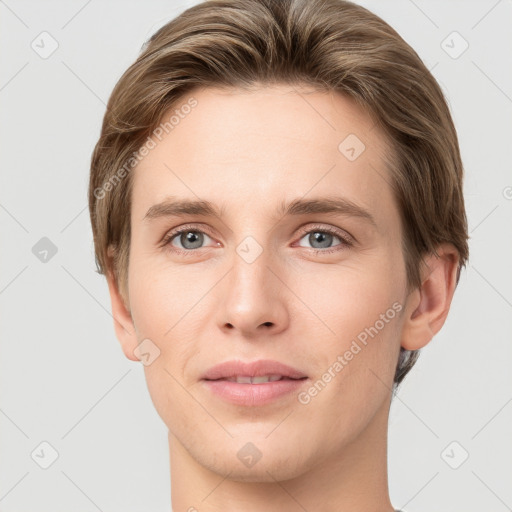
[358,313]
[160,296]
[170,307]
[355,363]
[351,296]
[162,310]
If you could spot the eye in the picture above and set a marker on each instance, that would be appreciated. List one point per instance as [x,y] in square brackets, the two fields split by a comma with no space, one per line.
[321,239]
[186,239]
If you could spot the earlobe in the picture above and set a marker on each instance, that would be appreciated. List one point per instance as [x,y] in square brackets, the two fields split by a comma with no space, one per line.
[428,306]
[123,323]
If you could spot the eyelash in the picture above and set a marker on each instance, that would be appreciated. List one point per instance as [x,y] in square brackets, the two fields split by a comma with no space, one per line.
[347,241]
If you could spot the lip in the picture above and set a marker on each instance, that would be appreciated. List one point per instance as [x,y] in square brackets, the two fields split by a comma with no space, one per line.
[250,395]
[252,369]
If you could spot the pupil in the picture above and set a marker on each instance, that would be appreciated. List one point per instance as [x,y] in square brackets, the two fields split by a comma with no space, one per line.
[191,237]
[323,238]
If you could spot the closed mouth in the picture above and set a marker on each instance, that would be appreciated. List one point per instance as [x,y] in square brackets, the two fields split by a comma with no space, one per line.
[261,379]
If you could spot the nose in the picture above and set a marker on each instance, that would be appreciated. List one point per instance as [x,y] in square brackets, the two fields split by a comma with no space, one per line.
[254,298]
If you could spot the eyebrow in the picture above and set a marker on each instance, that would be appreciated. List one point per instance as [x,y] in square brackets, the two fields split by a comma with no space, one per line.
[175,207]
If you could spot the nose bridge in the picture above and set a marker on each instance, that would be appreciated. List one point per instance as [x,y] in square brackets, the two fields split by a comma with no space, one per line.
[251,293]
[250,279]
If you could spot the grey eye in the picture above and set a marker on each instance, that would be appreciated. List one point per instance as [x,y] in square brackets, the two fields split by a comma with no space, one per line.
[190,239]
[320,239]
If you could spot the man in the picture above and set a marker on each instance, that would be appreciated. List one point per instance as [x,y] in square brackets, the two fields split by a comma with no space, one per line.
[276,201]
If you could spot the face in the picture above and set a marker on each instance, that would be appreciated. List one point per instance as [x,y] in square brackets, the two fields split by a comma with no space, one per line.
[299,262]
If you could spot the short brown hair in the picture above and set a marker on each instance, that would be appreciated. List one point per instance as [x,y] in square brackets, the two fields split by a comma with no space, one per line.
[332,45]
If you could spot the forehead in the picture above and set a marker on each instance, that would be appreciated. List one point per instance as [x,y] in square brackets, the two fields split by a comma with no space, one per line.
[264,146]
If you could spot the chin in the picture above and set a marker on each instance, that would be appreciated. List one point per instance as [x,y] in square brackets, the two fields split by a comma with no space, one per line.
[268,471]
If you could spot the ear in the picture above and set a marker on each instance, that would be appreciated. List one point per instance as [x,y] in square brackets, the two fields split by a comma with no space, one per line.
[123,323]
[427,306]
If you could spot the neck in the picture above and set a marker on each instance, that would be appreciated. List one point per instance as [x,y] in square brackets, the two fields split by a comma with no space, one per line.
[353,478]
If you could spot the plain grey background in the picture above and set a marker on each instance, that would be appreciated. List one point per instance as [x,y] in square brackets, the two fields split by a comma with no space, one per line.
[63,377]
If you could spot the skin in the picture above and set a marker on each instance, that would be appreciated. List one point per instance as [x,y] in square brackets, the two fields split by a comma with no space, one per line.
[247,152]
